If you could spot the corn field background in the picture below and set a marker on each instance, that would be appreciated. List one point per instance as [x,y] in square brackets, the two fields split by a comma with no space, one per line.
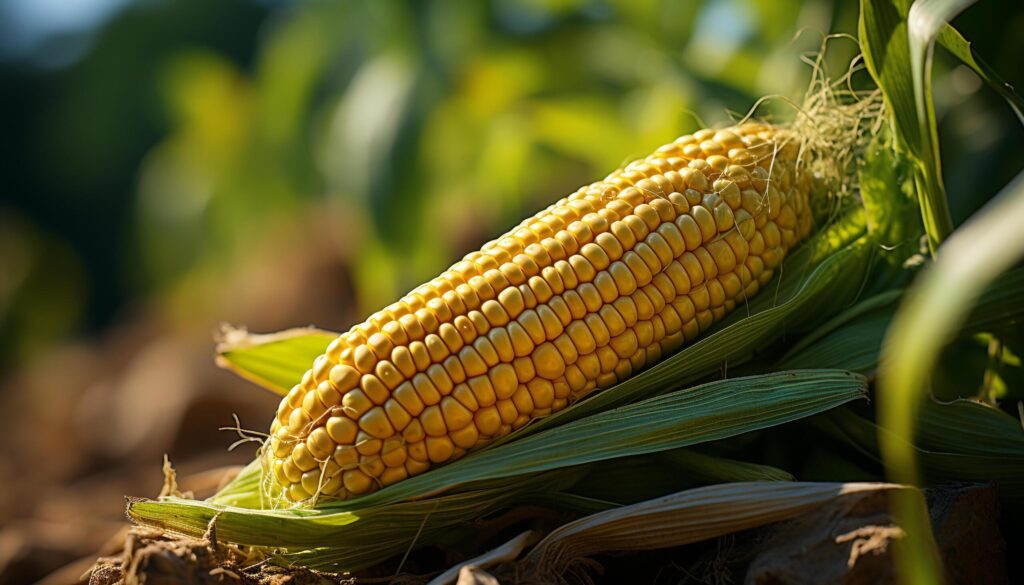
[171,167]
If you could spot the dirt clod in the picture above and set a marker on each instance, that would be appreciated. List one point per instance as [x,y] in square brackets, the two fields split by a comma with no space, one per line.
[851,541]
[153,558]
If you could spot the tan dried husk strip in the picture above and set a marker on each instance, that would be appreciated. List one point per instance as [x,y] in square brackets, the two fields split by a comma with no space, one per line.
[679,519]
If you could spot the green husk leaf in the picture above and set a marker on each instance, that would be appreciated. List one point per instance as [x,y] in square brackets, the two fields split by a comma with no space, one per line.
[627,480]
[275,361]
[708,412]
[344,541]
[956,441]
[367,530]
[980,429]
[853,339]
[709,469]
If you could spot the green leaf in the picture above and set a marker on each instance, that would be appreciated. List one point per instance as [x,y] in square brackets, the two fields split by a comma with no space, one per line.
[904,77]
[886,49]
[955,43]
[999,307]
[275,361]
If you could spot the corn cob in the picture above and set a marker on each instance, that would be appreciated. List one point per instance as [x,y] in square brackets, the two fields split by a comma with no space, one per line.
[575,299]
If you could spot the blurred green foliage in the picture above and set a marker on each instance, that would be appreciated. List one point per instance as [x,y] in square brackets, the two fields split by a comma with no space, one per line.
[189,132]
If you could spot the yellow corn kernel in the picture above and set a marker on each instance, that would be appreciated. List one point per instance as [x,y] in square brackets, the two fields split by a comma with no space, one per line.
[393,475]
[487,420]
[440,449]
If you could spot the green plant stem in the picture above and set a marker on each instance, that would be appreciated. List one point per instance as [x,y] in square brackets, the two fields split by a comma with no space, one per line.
[938,223]
[924,21]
